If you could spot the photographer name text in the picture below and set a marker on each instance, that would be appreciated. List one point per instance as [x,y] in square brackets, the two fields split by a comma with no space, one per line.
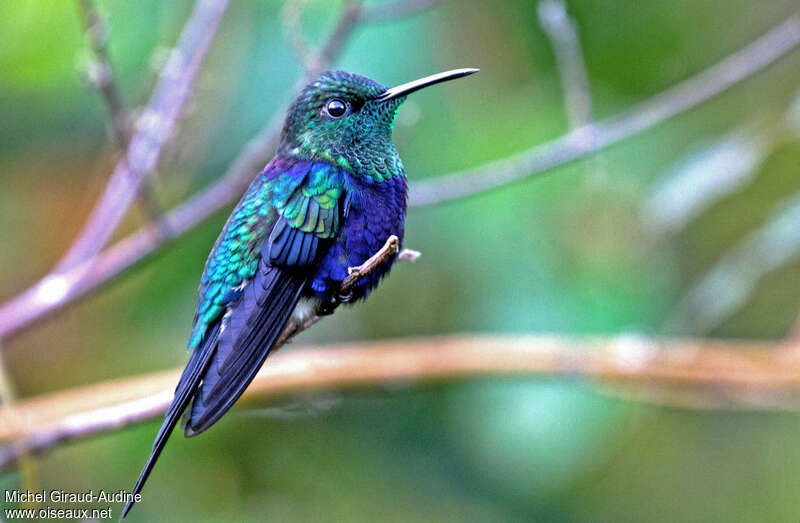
[63,496]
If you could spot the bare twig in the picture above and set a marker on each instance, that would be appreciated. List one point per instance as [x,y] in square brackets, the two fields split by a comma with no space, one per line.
[64,286]
[354,14]
[571,65]
[727,286]
[293,33]
[101,76]
[746,375]
[354,275]
[101,72]
[350,19]
[563,35]
[398,9]
[10,416]
[592,138]
[152,131]
[61,288]
[22,447]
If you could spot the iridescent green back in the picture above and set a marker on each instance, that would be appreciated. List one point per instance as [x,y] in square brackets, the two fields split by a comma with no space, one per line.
[305,194]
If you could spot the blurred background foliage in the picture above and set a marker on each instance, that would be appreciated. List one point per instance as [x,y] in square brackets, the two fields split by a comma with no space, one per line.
[645,238]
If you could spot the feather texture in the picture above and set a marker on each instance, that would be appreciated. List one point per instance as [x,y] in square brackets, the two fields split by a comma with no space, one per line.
[251,330]
[295,205]
[333,193]
[253,279]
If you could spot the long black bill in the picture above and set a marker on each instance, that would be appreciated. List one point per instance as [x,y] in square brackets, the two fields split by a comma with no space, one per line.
[416,85]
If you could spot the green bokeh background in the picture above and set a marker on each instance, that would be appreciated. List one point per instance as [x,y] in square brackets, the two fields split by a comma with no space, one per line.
[569,252]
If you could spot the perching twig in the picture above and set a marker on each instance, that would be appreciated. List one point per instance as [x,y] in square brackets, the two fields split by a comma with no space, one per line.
[62,288]
[717,374]
[354,275]
[11,414]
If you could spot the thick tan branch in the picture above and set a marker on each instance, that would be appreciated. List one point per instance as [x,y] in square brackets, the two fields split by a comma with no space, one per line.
[691,373]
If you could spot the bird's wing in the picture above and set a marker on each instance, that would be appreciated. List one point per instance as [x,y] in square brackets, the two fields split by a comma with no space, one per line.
[306,219]
[251,284]
[236,254]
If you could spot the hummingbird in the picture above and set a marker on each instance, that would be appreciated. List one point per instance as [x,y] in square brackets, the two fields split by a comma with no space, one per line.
[328,200]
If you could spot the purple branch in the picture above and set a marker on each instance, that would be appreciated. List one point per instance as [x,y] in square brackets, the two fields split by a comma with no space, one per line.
[153,129]
[589,139]
[61,288]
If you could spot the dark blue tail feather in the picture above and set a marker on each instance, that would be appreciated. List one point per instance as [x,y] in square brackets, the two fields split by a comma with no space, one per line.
[190,380]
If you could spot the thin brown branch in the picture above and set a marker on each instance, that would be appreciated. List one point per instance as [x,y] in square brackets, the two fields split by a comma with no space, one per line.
[61,288]
[355,274]
[101,73]
[589,139]
[153,129]
[747,375]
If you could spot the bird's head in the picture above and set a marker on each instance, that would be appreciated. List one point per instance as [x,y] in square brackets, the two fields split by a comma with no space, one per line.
[346,119]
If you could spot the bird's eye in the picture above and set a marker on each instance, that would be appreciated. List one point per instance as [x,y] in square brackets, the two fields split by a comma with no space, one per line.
[336,108]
